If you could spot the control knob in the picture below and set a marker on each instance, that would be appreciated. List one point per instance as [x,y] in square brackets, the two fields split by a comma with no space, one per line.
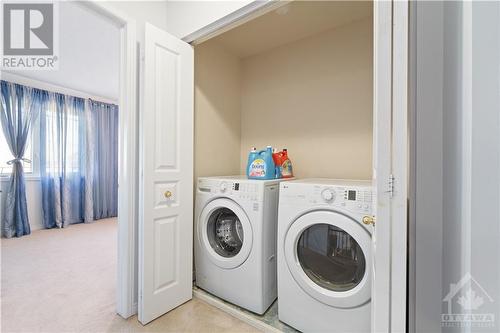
[223,187]
[328,195]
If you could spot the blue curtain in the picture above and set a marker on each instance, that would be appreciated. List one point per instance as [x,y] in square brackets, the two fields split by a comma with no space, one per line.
[105,185]
[78,157]
[20,106]
[65,164]
[78,160]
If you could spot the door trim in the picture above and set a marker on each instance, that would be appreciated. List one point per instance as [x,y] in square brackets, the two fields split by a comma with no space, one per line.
[389,290]
[354,297]
[234,19]
[400,165]
[126,296]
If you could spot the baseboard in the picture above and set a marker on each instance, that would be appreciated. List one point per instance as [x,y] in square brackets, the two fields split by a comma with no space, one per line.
[134,309]
[203,296]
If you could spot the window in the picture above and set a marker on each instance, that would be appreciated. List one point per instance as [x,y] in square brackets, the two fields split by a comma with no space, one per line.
[6,155]
[71,159]
[54,160]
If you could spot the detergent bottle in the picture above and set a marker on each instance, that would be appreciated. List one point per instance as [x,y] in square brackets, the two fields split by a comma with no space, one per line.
[261,165]
[286,170]
[283,164]
[277,162]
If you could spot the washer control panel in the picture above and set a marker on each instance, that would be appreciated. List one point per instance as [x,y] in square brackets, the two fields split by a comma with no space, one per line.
[230,188]
[353,198]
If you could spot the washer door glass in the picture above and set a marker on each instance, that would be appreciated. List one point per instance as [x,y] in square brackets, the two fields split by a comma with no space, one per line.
[225,232]
[331,257]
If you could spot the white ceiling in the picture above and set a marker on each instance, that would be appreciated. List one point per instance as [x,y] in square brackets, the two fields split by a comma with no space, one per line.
[89,48]
[289,23]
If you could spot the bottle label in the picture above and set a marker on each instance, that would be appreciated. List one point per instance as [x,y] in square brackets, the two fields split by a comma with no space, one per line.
[257,168]
[286,169]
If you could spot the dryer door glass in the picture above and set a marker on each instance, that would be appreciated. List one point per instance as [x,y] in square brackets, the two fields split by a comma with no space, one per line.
[225,232]
[331,257]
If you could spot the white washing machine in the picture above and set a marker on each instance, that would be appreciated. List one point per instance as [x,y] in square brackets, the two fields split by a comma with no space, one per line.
[324,255]
[235,240]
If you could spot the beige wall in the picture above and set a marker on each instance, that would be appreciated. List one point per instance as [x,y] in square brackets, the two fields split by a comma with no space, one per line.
[217,111]
[313,97]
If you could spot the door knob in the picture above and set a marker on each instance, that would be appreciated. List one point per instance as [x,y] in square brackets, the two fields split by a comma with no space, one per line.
[167,194]
[369,220]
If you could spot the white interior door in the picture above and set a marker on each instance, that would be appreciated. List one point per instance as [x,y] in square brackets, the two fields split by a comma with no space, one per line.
[166,189]
[389,238]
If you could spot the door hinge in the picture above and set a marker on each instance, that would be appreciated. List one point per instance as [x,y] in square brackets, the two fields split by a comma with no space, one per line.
[391,185]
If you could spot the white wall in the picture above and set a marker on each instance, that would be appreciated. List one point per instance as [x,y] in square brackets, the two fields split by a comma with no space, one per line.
[457,161]
[452,151]
[427,227]
[482,245]
[89,53]
[33,198]
[153,12]
[186,17]
[471,147]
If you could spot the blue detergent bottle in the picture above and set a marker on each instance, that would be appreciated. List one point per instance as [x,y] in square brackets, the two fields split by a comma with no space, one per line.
[261,164]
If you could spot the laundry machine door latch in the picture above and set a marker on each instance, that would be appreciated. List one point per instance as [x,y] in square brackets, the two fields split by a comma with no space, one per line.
[367,219]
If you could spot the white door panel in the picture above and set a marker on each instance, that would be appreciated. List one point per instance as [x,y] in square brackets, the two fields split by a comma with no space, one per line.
[166,218]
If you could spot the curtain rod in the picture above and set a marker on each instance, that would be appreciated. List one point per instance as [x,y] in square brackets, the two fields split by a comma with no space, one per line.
[26,81]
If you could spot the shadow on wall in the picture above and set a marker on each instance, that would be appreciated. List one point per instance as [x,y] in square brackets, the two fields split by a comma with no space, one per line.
[217,111]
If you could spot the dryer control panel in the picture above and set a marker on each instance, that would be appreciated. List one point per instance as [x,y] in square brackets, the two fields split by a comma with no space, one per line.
[352,198]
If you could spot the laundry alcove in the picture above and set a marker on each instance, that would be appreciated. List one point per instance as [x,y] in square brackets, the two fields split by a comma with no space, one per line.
[326,80]
[299,77]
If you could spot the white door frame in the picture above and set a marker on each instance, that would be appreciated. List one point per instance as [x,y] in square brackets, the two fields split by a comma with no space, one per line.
[234,19]
[400,165]
[391,28]
[126,296]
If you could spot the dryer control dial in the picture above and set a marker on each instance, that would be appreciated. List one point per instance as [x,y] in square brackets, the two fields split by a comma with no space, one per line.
[223,187]
[328,195]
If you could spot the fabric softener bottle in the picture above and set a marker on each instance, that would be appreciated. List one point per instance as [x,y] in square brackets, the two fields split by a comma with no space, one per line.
[251,157]
[261,164]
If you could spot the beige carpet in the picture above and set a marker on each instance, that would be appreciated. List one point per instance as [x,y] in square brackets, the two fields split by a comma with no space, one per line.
[65,281]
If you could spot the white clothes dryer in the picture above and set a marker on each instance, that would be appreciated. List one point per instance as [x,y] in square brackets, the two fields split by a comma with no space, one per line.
[235,240]
[324,255]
